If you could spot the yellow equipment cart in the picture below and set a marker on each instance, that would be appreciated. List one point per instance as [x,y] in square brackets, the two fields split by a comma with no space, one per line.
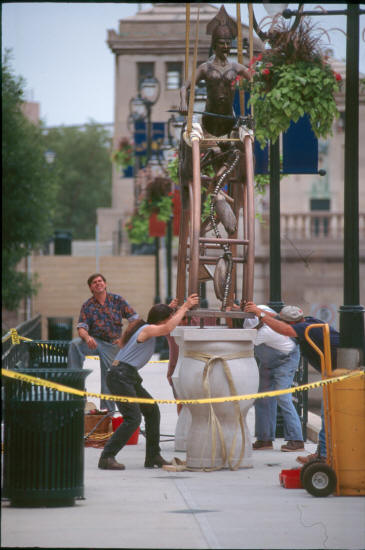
[343,473]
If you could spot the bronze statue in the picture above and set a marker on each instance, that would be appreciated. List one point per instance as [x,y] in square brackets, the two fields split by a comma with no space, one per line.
[219,74]
[221,136]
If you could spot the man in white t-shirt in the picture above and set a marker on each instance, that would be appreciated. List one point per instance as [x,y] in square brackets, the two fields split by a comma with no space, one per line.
[278,358]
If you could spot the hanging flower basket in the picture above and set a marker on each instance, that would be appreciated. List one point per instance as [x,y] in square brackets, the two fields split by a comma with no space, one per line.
[154,210]
[123,157]
[138,229]
[291,79]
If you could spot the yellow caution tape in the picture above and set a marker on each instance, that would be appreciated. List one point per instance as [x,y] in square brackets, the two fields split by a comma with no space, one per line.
[127,399]
[16,338]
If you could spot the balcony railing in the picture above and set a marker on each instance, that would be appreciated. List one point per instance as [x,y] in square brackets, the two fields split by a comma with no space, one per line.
[322,225]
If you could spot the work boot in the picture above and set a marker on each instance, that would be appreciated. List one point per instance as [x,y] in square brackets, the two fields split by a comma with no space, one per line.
[110,463]
[155,462]
[262,445]
[315,457]
[293,446]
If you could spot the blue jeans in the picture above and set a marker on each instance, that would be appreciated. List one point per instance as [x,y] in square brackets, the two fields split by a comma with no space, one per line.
[276,372]
[125,380]
[106,351]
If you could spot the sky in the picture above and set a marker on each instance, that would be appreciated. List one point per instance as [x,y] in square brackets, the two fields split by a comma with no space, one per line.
[60,49]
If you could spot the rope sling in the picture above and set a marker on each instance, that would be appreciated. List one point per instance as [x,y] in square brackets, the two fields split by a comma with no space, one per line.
[213,422]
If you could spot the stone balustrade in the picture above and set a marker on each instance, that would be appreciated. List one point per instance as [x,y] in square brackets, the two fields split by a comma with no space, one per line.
[315,225]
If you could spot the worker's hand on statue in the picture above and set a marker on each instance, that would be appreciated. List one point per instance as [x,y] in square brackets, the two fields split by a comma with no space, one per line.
[193,300]
[173,304]
[196,133]
[234,306]
[251,307]
[91,344]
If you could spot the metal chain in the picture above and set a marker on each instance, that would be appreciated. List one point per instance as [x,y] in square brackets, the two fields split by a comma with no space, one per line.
[227,251]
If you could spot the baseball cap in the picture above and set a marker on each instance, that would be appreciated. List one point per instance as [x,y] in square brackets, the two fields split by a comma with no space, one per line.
[291,313]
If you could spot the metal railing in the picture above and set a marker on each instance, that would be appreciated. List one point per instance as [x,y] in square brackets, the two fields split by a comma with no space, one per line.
[11,354]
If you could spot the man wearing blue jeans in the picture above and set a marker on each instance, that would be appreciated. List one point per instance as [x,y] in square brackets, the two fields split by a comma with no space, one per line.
[291,322]
[100,329]
[278,358]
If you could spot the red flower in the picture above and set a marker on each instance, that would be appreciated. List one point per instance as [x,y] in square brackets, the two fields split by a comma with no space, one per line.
[254,60]
[269,64]
[265,72]
[259,57]
[338,77]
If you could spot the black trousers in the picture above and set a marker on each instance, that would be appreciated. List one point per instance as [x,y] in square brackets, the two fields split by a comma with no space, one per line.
[125,380]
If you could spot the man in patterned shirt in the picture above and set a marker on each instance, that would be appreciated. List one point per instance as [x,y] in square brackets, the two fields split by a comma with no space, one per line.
[100,329]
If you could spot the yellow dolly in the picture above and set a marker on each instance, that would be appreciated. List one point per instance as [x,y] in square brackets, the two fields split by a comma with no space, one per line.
[343,473]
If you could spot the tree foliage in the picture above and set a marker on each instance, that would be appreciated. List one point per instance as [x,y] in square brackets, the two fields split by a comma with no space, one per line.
[83,166]
[28,189]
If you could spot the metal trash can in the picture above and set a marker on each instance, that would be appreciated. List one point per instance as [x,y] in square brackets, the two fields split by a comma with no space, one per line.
[60,328]
[47,353]
[62,243]
[43,461]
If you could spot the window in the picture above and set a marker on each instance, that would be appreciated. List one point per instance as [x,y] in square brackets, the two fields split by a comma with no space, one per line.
[173,75]
[143,71]
[320,204]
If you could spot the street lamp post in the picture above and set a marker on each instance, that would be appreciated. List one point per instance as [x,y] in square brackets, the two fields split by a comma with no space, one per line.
[141,107]
[275,248]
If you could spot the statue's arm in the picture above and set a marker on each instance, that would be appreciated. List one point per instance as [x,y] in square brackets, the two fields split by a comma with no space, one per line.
[242,71]
[200,74]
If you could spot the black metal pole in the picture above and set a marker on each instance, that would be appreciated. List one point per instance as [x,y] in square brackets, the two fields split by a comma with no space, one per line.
[351,313]
[275,252]
[169,260]
[203,295]
[157,271]
[149,136]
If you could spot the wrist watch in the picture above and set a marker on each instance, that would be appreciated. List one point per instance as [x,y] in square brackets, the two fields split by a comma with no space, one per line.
[262,314]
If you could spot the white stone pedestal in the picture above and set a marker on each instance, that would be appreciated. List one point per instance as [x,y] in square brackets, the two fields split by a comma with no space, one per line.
[203,443]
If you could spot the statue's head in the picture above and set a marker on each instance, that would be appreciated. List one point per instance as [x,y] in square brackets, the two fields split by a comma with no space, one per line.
[222,28]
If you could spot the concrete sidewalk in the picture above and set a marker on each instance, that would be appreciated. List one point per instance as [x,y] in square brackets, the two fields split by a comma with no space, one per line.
[141,508]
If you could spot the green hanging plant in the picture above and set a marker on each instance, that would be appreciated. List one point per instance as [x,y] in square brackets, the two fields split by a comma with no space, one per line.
[137,229]
[173,169]
[123,157]
[158,199]
[289,80]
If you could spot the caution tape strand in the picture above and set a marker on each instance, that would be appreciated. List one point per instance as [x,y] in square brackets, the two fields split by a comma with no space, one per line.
[127,399]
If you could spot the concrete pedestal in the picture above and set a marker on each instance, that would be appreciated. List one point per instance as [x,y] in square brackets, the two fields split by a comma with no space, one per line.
[214,438]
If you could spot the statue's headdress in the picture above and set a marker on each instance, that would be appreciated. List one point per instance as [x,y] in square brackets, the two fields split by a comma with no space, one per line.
[222,26]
